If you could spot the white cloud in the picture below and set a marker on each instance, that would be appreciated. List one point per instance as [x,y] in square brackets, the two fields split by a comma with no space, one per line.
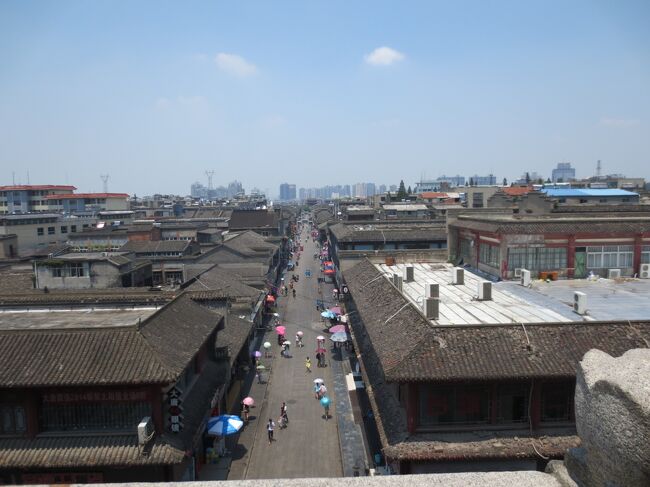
[164,103]
[235,65]
[618,122]
[384,56]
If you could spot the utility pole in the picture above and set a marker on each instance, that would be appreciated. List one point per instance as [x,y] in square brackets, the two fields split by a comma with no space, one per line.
[209,174]
[104,178]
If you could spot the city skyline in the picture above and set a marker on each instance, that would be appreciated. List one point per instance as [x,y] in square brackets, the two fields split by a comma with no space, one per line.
[268,92]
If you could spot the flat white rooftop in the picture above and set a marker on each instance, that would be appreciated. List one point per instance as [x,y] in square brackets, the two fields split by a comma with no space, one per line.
[459,304]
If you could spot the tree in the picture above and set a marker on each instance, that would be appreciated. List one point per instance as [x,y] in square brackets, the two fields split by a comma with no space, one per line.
[548,180]
[388,197]
[401,191]
[505,182]
[540,181]
[409,191]
[527,178]
[471,181]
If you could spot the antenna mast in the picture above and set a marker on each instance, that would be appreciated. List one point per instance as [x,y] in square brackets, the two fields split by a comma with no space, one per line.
[209,174]
[104,178]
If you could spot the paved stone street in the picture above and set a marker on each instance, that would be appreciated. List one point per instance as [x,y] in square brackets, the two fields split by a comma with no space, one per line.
[309,447]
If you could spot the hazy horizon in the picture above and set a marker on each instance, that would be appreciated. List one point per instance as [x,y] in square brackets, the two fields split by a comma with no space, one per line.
[319,93]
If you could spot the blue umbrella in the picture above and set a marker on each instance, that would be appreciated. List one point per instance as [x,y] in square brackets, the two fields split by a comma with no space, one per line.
[325,401]
[328,314]
[226,424]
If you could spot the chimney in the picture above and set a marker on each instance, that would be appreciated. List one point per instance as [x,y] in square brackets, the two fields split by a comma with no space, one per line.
[431,308]
[408,273]
[457,276]
[485,291]
[431,290]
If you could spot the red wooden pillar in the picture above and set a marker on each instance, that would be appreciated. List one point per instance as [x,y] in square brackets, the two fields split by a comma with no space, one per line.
[157,408]
[536,404]
[571,256]
[494,403]
[412,407]
[31,413]
[638,245]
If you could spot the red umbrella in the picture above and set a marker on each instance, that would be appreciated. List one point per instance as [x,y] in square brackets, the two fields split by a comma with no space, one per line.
[270,299]
[329,271]
[280,330]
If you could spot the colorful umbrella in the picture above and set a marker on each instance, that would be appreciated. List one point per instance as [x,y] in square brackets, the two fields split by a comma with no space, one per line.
[270,299]
[336,310]
[329,272]
[299,333]
[337,329]
[340,337]
[328,314]
[257,354]
[267,345]
[320,350]
[325,401]
[224,425]
[249,401]
[280,330]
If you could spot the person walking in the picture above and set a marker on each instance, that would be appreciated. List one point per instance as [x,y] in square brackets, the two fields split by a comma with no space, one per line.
[269,429]
[294,293]
[283,413]
[308,365]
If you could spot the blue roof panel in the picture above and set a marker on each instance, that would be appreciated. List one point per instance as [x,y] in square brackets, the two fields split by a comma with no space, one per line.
[587,192]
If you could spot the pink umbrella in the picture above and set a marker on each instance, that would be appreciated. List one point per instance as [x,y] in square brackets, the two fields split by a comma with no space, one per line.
[320,350]
[280,330]
[258,354]
[319,337]
[336,310]
[299,333]
[337,328]
[249,401]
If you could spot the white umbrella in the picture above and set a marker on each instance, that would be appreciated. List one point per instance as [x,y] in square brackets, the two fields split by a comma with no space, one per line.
[319,381]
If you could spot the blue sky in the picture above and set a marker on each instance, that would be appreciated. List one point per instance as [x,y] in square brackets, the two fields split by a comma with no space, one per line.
[319,92]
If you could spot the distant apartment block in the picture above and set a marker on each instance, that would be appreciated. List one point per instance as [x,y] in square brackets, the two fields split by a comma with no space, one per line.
[30,198]
[563,173]
[84,202]
[287,192]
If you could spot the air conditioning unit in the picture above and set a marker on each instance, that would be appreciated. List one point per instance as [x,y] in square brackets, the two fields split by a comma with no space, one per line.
[145,430]
[580,303]
[484,291]
[457,276]
[518,272]
[613,273]
[644,271]
[408,273]
[431,308]
[525,277]
[431,290]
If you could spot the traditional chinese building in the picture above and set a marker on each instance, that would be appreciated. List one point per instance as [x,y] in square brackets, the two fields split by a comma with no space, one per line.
[463,393]
[75,383]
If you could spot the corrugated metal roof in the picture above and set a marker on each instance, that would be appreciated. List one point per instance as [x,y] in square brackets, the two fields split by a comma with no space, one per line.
[589,192]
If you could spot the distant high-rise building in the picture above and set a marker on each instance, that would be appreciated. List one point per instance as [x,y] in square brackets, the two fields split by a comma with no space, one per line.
[489,180]
[197,190]
[287,192]
[452,181]
[382,188]
[563,173]
[235,188]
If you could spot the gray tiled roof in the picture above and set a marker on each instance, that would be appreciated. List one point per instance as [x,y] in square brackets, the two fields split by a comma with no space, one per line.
[388,232]
[158,352]
[155,246]
[249,219]
[220,279]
